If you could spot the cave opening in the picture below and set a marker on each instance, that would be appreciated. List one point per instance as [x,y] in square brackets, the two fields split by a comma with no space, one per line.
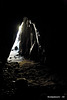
[27,43]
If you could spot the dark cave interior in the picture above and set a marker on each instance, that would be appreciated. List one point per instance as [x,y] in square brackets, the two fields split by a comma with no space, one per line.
[50,20]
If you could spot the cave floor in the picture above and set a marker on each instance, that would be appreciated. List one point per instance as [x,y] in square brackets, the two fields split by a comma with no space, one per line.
[27,78]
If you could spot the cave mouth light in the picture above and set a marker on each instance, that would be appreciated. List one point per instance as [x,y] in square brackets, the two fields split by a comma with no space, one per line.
[14,55]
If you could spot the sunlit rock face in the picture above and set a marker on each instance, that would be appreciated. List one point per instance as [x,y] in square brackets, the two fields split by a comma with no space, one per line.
[27,43]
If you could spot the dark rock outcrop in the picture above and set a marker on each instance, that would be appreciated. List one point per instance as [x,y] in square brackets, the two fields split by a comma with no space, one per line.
[29,41]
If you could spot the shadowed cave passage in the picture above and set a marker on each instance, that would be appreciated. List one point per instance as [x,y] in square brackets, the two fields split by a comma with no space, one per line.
[51,21]
[53,52]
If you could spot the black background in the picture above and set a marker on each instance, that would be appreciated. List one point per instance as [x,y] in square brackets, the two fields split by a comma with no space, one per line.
[50,20]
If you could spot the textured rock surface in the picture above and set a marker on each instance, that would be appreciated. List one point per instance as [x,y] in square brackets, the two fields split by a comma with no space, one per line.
[27,78]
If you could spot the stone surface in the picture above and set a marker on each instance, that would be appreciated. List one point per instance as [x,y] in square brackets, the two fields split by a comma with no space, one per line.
[27,78]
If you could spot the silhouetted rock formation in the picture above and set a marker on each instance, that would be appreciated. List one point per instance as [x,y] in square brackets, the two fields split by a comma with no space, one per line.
[29,40]
[27,43]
